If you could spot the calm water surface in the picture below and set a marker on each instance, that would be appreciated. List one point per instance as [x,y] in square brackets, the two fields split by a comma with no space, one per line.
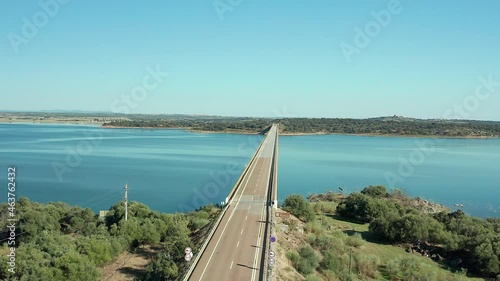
[448,171]
[177,170]
[169,170]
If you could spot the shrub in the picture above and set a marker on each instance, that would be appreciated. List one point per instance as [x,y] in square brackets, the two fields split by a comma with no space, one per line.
[413,270]
[307,262]
[198,223]
[367,265]
[313,277]
[392,268]
[355,240]
[314,227]
[378,191]
[293,256]
[323,242]
[333,262]
[299,207]
[162,268]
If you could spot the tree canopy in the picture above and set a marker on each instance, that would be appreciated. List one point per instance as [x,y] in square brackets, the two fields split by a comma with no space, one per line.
[61,242]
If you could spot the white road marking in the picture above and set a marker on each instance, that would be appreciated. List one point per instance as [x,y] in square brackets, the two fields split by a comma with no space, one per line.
[238,244]
[230,217]
[241,231]
[246,217]
[256,257]
[231,265]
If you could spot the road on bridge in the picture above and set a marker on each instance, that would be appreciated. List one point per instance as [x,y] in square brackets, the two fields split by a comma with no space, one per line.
[234,253]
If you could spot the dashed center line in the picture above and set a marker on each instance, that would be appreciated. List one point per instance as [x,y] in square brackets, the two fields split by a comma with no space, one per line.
[241,231]
[246,217]
[238,244]
[231,267]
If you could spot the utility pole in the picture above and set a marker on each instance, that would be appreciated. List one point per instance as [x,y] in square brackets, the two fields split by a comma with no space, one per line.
[126,201]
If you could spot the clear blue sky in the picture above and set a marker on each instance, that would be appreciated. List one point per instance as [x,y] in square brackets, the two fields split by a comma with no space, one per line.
[264,58]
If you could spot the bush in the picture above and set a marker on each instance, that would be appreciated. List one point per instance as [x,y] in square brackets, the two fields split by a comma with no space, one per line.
[324,207]
[162,268]
[378,191]
[293,256]
[198,223]
[392,268]
[363,208]
[314,227]
[60,242]
[355,240]
[413,270]
[323,242]
[367,265]
[306,261]
[313,277]
[299,207]
[330,275]
[334,262]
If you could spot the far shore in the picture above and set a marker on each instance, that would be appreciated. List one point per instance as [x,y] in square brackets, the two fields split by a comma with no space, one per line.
[241,132]
[301,134]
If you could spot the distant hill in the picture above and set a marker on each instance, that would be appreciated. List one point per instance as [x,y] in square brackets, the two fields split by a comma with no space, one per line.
[378,126]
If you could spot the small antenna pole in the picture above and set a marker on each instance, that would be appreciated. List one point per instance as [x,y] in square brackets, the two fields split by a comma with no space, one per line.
[126,201]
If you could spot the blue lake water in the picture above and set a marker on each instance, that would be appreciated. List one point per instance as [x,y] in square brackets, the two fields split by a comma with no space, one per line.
[177,170]
[448,171]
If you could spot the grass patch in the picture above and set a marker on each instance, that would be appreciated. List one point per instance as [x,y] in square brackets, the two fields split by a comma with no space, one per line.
[386,253]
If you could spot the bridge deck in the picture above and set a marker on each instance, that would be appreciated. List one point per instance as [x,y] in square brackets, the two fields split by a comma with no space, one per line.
[235,250]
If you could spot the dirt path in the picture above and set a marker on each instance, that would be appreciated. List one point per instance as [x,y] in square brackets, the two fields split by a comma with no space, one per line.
[129,265]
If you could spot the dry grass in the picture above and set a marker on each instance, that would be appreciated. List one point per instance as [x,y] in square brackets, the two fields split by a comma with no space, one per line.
[294,239]
[128,266]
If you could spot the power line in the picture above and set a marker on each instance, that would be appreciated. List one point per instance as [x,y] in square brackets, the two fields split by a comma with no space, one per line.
[94,200]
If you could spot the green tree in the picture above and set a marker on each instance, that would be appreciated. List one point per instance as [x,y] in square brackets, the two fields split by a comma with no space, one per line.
[378,191]
[299,206]
[162,268]
[308,262]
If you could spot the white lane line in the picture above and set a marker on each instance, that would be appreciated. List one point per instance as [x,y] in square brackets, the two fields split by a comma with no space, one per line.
[256,257]
[246,217]
[231,267]
[227,222]
[241,231]
[238,244]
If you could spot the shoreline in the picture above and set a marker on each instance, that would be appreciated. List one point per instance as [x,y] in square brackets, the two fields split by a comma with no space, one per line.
[285,134]
[183,128]
[305,134]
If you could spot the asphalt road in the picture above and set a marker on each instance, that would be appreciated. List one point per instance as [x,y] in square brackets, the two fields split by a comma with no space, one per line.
[234,252]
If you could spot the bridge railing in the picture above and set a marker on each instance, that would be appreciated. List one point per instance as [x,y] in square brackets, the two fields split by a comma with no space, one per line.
[240,179]
[219,219]
[272,201]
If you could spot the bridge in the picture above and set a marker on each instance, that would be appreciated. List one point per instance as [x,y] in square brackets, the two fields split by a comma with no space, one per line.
[236,249]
